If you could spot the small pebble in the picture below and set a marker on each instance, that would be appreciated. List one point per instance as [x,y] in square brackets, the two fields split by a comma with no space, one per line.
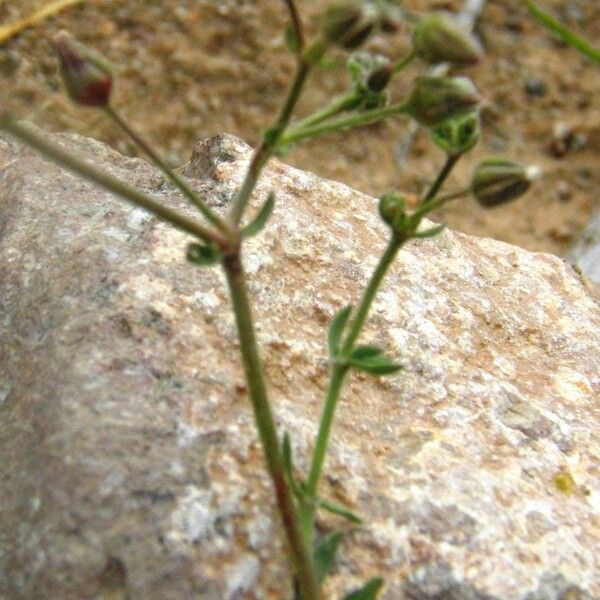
[535,87]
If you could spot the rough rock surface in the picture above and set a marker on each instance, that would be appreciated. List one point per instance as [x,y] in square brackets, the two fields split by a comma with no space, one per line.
[129,460]
[586,251]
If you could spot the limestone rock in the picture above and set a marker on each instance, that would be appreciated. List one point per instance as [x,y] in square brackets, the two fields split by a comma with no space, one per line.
[130,464]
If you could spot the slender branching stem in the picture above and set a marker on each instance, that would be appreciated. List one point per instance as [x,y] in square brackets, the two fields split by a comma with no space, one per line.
[435,187]
[174,177]
[336,380]
[338,105]
[430,200]
[359,318]
[339,370]
[268,143]
[439,201]
[404,62]
[66,159]
[362,118]
[301,557]
[296,24]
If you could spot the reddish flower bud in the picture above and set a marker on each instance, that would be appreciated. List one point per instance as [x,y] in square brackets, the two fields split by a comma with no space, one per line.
[87,75]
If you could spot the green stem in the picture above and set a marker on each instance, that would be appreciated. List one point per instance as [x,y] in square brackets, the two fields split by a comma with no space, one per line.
[134,196]
[404,62]
[296,23]
[338,371]
[451,160]
[362,118]
[274,133]
[338,105]
[564,33]
[301,557]
[174,177]
[438,202]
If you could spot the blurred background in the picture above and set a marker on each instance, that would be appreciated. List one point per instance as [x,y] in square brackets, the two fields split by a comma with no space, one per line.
[189,69]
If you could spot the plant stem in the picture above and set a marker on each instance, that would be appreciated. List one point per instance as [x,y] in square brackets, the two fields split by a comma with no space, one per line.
[296,24]
[564,33]
[302,561]
[274,133]
[404,62]
[451,160]
[362,118]
[338,105]
[438,202]
[65,159]
[336,380]
[338,371]
[175,178]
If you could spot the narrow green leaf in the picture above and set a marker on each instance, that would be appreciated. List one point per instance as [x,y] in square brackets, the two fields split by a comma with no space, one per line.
[286,450]
[376,364]
[429,233]
[336,329]
[291,40]
[361,352]
[204,255]
[368,591]
[288,465]
[338,509]
[564,33]
[261,218]
[325,554]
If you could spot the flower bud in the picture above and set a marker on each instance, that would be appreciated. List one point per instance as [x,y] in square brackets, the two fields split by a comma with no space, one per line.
[437,99]
[439,37]
[496,181]
[87,75]
[379,78]
[348,24]
[458,135]
[392,208]
[370,72]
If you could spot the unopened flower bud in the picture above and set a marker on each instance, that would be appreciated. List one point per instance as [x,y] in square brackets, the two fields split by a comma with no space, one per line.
[439,37]
[497,181]
[349,23]
[437,99]
[457,135]
[87,75]
[392,208]
[379,78]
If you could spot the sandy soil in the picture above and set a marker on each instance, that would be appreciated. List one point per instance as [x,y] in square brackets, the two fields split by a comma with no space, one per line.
[192,68]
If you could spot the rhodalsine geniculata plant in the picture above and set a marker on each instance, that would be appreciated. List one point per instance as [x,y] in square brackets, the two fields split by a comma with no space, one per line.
[447,106]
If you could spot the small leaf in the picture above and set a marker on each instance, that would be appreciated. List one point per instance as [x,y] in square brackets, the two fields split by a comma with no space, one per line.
[261,218]
[325,554]
[372,360]
[429,233]
[338,509]
[291,40]
[366,592]
[288,465]
[336,328]
[361,352]
[203,255]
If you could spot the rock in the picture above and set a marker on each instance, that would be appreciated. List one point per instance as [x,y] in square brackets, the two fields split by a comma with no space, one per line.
[585,253]
[130,462]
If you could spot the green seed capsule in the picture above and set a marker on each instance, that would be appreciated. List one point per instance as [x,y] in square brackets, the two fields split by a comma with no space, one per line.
[496,181]
[439,37]
[348,24]
[437,99]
